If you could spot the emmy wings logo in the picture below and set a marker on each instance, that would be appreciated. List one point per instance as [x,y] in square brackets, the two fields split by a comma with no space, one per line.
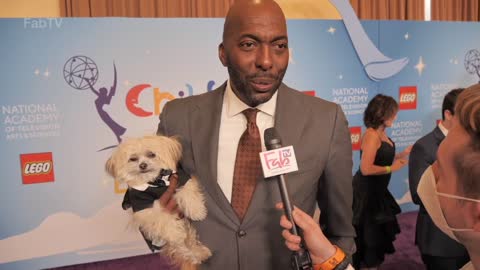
[472,62]
[81,73]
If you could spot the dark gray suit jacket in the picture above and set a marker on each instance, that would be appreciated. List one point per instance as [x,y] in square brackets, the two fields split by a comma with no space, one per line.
[318,131]
[429,239]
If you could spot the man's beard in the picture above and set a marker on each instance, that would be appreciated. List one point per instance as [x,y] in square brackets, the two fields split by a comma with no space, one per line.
[242,87]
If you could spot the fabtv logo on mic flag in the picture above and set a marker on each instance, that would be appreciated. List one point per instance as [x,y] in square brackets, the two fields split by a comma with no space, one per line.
[408,98]
[278,161]
[37,168]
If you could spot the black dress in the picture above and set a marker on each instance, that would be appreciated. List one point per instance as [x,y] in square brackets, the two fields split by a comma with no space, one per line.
[374,212]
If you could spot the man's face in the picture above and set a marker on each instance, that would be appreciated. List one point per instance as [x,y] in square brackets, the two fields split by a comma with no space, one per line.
[457,212]
[255,52]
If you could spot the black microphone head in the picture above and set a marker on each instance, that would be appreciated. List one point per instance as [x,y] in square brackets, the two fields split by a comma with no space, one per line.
[272,139]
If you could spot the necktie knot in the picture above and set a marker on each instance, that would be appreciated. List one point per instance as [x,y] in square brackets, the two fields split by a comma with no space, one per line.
[251,115]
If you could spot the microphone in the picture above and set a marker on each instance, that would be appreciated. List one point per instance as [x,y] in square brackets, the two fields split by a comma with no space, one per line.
[300,259]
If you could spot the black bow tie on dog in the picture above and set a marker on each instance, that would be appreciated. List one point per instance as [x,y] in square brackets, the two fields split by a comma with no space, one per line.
[141,199]
[162,180]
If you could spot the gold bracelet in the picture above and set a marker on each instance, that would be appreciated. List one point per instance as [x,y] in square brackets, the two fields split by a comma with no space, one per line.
[389,169]
[331,262]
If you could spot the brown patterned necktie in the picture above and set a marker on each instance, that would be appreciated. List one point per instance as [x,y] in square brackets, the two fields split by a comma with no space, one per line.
[247,165]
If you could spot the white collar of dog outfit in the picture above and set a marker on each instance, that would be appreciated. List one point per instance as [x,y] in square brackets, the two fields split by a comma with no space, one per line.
[141,187]
[144,186]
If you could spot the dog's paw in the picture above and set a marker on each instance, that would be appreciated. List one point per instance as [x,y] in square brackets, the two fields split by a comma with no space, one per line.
[191,201]
[201,253]
[197,254]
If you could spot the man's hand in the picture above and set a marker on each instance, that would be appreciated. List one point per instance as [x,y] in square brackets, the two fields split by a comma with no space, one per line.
[167,200]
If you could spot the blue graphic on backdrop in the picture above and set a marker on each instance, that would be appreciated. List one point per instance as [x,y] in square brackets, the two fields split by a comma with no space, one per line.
[210,85]
[81,72]
[472,62]
[189,89]
[376,64]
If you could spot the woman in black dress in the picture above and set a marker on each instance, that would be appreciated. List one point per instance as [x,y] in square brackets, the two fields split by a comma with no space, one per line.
[374,208]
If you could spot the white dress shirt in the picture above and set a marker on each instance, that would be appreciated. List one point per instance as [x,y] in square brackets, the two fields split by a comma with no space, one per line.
[232,125]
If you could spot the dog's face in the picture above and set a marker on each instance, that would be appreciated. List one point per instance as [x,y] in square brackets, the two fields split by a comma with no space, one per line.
[139,160]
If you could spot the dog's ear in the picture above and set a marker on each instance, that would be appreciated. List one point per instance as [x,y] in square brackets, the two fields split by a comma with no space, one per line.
[109,167]
[176,148]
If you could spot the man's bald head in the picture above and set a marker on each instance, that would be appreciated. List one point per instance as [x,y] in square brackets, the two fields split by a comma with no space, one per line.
[242,9]
[255,49]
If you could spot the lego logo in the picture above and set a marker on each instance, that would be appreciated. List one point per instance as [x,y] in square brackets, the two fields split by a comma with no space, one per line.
[408,98]
[37,168]
[355,138]
[34,168]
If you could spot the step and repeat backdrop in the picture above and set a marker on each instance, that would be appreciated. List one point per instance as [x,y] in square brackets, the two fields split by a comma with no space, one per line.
[72,89]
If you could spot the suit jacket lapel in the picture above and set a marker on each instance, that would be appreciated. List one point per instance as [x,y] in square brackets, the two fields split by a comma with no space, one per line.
[204,129]
[289,123]
[289,115]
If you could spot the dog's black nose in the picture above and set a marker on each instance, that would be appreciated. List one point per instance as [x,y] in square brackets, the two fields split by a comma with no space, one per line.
[143,165]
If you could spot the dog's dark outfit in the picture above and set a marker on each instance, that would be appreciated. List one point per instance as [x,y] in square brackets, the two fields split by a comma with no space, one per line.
[141,199]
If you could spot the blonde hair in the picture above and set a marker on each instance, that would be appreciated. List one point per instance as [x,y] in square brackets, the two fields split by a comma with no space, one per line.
[467,161]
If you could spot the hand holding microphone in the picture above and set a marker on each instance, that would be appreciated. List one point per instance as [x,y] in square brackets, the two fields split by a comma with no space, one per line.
[320,248]
[274,165]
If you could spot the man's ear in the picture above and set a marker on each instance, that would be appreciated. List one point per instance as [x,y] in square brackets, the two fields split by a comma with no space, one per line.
[447,114]
[221,54]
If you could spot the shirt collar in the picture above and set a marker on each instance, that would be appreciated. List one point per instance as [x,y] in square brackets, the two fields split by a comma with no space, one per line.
[443,129]
[236,106]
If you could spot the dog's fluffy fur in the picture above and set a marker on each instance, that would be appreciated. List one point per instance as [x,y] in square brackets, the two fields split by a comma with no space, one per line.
[136,162]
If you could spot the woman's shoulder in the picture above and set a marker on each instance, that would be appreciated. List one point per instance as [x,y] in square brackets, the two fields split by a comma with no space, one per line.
[370,137]
[372,134]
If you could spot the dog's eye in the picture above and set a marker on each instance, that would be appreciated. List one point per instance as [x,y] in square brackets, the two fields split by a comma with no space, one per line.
[150,154]
[133,159]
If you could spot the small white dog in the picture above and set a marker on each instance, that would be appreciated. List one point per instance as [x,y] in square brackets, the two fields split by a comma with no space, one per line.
[145,165]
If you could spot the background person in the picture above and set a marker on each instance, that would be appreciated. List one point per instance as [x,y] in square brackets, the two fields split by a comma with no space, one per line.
[374,208]
[439,252]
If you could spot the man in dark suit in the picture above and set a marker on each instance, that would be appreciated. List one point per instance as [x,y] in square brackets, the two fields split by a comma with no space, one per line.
[439,252]
[210,126]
